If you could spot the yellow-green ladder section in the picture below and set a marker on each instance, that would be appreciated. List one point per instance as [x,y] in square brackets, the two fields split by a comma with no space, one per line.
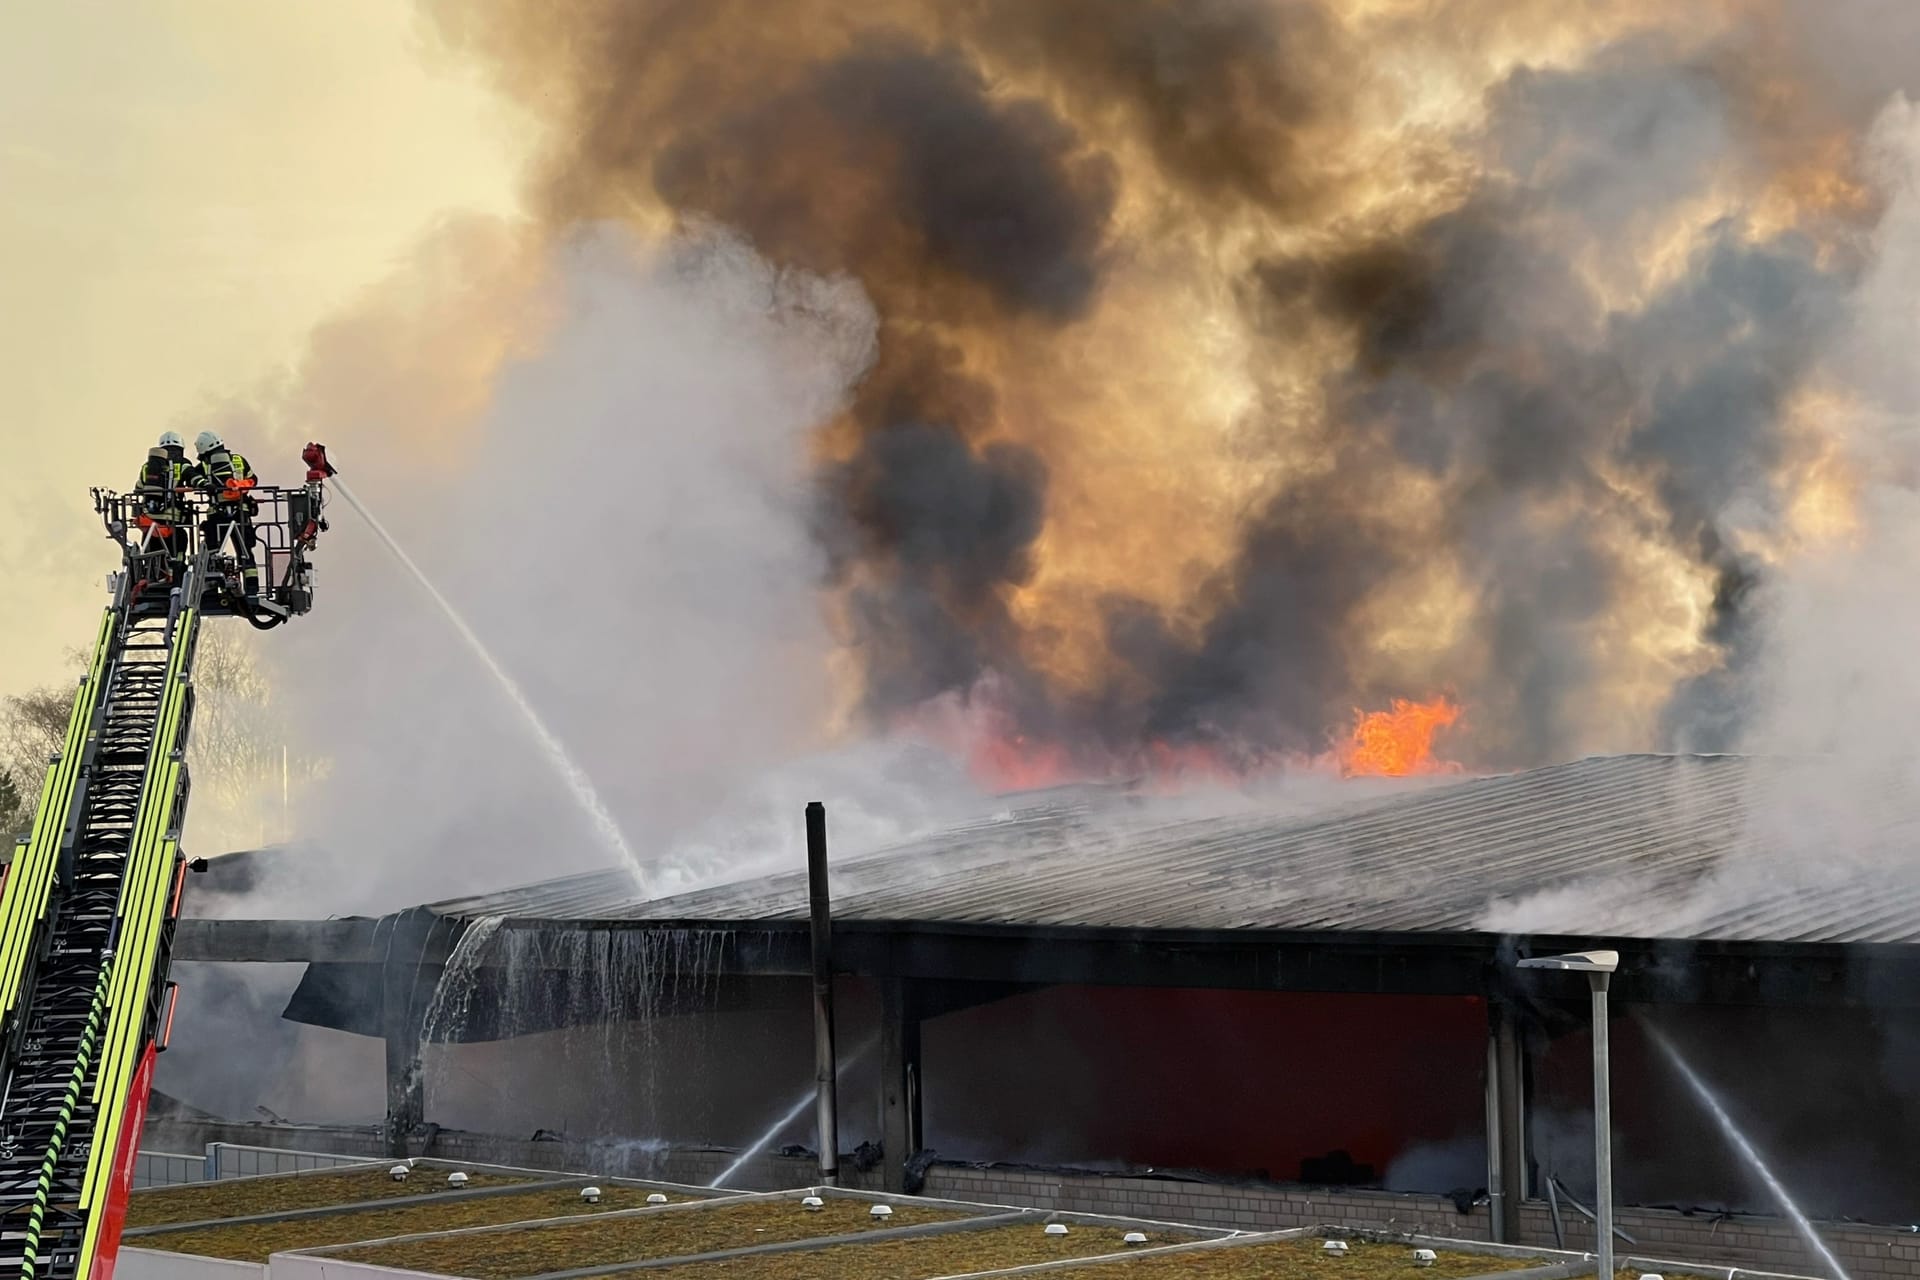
[144,892]
[23,903]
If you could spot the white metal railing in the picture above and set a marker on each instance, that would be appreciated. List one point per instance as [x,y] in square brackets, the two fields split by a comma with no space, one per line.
[233,1160]
[229,1160]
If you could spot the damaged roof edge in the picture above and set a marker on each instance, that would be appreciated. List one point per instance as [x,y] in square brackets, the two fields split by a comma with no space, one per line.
[1646,846]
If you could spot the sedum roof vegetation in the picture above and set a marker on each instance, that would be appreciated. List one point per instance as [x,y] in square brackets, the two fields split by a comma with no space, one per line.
[287,1192]
[1303,1259]
[508,1255]
[541,1231]
[952,1253]
[257,1241]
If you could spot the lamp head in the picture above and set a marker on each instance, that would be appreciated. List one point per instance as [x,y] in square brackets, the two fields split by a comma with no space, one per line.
[1577,962]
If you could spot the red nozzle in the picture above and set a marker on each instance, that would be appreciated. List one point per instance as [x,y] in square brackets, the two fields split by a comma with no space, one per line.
[315,456]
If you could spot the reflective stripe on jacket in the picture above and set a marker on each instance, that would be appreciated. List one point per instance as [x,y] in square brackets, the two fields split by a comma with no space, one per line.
[226,474]
[160,478]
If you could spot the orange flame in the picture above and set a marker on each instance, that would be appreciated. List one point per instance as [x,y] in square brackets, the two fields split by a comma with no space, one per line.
[1019,764]
[1398,742]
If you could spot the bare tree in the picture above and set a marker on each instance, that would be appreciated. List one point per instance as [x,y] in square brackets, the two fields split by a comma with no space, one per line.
[33,726]
[15,813]
[238,751]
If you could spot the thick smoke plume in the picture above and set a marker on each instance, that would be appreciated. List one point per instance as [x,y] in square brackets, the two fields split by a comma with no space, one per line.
[1241,363]
[1830,686]
[598,447]
[1144,381]
[570,503]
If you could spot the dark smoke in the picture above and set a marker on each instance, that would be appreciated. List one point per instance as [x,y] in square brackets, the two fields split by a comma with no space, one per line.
[1526,411]
[1269,670]
[1224,92]
[1483,360]
[1709,712]
[941,527]
[904,153]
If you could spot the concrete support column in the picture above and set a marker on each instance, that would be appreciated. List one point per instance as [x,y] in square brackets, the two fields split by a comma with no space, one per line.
[1506,1121]
[400,1026]
[899,1079]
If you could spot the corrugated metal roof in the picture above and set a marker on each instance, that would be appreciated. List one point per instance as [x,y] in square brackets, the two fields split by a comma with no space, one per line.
[1710,847]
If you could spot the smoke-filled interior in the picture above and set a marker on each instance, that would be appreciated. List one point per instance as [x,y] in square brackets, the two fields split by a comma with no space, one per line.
[1827,1097]
[1379,1091]
[1243,1084]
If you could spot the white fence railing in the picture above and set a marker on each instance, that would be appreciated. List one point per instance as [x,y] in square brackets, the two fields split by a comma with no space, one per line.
[228,1160]
[165,1169]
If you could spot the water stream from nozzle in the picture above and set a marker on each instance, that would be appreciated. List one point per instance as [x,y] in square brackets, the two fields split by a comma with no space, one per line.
[571,775]
[792,1113]
[1802,1227]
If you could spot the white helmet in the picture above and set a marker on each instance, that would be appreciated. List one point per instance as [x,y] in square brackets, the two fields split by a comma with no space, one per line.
[206,442]
[172,440]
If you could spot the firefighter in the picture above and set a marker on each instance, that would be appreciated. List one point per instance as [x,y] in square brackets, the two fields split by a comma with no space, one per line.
[162,513]
[226,478]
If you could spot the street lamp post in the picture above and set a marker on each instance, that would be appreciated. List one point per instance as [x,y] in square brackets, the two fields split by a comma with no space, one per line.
[1599,967]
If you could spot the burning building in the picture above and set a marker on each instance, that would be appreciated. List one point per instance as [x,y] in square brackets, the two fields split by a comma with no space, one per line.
[1176,379]
[1092,982]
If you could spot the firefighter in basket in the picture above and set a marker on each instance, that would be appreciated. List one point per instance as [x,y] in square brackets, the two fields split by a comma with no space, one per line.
[160,511]
[226,478]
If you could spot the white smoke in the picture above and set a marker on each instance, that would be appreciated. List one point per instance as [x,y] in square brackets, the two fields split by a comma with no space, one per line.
[1843,682]
[626,531]
[1439,1167]
[1834,794]
[1841,690]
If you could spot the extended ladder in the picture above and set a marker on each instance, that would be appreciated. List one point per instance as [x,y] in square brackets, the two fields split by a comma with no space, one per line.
[85,926]
[89,903]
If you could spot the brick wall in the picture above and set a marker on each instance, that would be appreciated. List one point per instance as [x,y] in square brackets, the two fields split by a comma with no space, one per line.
[688,1166]
[1207,1204]
[1764,1243]
[691,1166]
[1767,1244]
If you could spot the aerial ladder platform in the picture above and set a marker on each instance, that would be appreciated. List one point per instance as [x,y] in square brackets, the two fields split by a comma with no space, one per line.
[89,902]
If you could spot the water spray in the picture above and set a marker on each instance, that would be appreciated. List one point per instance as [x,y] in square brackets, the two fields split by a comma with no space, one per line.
[572,775]
[1731,1131]
[792,1113]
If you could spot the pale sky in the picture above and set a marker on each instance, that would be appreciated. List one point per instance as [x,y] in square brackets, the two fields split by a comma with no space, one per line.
[186,187]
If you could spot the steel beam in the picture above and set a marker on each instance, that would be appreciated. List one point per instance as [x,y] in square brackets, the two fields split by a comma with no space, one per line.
[277,941]
[1507,1187]
[899,1080]
[1651,972]
[401,1016]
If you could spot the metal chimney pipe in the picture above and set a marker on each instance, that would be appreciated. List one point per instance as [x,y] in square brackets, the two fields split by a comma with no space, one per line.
[825,1065]
[1602,1128]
